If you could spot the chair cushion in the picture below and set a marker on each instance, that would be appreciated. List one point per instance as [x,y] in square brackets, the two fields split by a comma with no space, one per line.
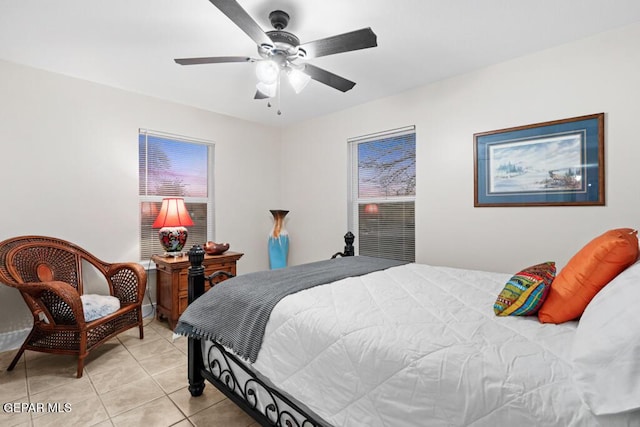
[97,306]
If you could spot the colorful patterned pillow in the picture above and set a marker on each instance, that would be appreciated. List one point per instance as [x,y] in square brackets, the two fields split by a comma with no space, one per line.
[525,292]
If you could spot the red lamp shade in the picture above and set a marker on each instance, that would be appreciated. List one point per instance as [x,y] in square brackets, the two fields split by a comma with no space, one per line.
[171,220]
[173,213]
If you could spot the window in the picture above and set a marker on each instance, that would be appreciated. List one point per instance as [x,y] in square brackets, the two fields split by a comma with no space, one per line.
[382,193]
[174,166]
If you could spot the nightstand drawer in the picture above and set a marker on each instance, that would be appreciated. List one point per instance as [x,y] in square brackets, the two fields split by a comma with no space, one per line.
[183,280]
[172,281]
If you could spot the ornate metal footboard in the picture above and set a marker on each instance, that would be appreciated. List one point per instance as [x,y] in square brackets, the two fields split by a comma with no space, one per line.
[225,371]
[265,404]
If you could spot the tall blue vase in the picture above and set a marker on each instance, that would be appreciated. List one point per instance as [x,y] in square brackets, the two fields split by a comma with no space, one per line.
[278,242]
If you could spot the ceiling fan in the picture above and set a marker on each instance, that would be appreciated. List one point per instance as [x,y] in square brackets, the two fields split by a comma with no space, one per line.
[280,52]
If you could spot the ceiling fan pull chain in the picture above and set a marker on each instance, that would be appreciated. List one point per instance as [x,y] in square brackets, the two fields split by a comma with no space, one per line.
[278,93]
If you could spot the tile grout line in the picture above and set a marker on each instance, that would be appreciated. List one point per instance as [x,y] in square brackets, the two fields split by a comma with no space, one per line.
[165,393]
[186,417]
[26,380]
[100,399]
[161,333]
[110,418]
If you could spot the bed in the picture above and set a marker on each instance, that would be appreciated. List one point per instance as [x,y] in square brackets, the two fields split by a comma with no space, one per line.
[413,345]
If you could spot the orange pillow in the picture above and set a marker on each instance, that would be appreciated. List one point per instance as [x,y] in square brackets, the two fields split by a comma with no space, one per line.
[587,272]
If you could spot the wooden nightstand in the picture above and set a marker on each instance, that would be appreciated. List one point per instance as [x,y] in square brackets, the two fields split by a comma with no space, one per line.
[171,281]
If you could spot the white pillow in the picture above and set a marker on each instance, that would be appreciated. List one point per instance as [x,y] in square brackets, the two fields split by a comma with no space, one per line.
[97,306]
[606,349]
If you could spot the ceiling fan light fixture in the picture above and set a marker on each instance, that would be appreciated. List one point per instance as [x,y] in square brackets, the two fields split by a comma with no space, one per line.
[268,90]
[280,50]
[298,80]
[267,71]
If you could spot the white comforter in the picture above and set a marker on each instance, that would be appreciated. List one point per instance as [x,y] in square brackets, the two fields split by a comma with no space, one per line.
[419,345]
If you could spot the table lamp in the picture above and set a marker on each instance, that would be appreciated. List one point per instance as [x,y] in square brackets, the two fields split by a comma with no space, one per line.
[172,220]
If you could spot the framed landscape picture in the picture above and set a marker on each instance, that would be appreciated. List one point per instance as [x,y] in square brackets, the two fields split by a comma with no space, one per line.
[557,163]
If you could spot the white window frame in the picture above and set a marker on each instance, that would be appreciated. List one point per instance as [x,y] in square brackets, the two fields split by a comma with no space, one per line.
[354,199]
[209,200]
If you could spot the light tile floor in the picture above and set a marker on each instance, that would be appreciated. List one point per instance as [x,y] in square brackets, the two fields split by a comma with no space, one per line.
[126,382]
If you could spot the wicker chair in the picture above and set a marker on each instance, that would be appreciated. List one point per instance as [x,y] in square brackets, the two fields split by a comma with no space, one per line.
[48,273]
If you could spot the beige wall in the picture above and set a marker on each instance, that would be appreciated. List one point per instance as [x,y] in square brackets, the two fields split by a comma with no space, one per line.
[69,162]
[599,74]
[70,169]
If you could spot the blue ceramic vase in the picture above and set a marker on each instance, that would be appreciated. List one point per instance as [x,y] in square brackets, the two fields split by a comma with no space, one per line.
[278,242]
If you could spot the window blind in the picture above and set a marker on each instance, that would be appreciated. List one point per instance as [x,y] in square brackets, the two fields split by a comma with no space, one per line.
[382,190]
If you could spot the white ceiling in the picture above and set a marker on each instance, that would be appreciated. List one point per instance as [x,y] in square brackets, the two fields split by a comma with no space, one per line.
[130,44]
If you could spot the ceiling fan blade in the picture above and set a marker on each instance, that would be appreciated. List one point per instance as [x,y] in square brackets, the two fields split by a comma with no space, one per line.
[328,78]
[260,95]
[212,60]
[355,40]
[242,19]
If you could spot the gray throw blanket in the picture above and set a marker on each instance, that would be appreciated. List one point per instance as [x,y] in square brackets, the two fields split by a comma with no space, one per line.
[235,312]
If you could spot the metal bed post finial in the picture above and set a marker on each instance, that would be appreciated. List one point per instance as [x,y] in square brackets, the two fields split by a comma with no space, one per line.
[349,250]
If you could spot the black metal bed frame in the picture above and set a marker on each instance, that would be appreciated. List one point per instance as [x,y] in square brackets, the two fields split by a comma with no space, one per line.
[263,402]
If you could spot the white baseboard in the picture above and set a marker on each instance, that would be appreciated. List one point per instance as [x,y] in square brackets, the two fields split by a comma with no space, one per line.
[148,310]
[13,339]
